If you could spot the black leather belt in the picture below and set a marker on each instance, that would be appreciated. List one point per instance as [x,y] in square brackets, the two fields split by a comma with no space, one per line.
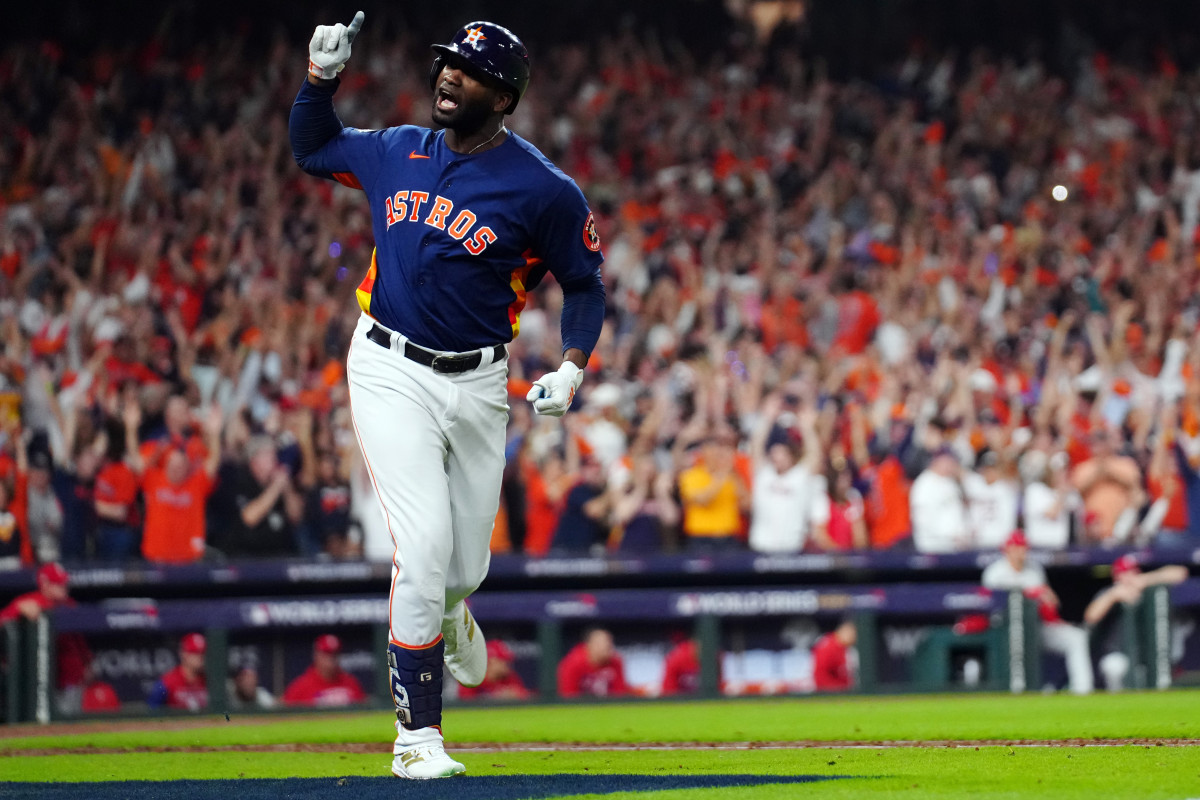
[438,362]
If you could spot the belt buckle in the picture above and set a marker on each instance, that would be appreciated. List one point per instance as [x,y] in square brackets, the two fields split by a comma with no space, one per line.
[450,363]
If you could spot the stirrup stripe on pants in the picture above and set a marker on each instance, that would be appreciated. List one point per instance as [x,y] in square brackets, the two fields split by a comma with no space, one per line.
[378,496]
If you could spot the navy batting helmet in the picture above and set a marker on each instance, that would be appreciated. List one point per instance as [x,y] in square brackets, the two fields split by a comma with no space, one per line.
[494,51]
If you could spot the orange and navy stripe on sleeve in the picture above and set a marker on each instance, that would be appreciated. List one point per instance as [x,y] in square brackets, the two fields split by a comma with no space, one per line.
[363,292]
[518,284]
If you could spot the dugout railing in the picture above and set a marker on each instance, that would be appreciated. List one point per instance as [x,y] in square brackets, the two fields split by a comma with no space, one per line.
[1079,572]
[1011,649]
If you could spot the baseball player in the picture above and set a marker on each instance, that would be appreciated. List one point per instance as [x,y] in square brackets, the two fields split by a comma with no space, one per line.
[1015,572]
[324,683]
[592,668]
[184,686]
[467,219]
[1103,612]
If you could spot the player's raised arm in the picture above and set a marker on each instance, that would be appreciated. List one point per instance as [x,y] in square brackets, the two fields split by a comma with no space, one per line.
[313,123]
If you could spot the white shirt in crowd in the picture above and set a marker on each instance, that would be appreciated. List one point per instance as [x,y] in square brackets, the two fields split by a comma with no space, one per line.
[939,514]
[992,508]
[785,509]
[1045,527]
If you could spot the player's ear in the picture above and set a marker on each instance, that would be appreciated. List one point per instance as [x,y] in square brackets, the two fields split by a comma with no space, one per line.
[503,100]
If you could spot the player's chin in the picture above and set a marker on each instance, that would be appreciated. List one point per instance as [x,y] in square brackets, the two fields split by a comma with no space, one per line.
[445,118]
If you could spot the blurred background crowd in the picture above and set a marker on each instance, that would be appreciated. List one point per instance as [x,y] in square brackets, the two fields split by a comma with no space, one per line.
[921,307]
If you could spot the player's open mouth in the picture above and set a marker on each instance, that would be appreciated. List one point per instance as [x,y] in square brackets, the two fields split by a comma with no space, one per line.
[445,102]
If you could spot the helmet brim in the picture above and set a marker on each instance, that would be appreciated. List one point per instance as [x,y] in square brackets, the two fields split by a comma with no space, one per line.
[444,50]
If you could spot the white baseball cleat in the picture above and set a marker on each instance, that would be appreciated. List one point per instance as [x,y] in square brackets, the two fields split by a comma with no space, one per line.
[466,649]
[425,761]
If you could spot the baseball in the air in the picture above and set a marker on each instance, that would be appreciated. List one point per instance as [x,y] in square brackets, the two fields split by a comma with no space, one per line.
[1059,193]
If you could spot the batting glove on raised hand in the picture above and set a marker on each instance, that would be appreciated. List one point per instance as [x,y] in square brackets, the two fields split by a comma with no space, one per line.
[552,393]
[329,49]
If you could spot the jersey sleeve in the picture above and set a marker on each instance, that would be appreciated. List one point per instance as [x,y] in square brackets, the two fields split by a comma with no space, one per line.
[11,611]
[566,237]
[992,578]
[325,148]
[567,242]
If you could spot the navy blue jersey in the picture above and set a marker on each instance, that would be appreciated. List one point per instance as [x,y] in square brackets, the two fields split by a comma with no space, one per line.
[459,239]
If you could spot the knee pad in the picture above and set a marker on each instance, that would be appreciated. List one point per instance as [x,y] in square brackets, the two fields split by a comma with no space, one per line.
[416,677]
[1114,667]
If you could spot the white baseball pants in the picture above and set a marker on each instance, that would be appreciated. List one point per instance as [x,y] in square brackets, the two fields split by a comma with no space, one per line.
[1072,643]
[434,446]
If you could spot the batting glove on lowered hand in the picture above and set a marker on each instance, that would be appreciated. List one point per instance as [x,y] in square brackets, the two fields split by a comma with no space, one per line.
[552,393]
[329,49]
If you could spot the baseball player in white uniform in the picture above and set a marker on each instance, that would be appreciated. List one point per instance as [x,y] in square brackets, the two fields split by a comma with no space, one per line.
[1015,572]
[467,219]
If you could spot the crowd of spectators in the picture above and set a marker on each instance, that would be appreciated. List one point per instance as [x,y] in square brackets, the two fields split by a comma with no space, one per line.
[841,314]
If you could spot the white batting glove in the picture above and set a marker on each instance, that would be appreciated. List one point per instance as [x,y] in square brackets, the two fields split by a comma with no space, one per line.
[329,49]
[552,393]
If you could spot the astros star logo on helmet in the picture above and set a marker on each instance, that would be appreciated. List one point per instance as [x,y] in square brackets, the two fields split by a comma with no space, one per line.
[474,36]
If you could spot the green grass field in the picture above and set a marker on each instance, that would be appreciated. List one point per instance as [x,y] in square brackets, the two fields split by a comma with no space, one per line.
[1067,770]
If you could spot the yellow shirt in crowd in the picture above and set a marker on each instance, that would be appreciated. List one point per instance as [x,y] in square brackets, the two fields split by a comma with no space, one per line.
[720,516]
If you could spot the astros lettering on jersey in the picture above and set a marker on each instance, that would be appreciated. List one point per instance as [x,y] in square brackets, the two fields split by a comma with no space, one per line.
[437,210]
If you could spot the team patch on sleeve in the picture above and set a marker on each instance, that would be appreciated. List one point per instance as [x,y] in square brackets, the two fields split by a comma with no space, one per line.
[590,238]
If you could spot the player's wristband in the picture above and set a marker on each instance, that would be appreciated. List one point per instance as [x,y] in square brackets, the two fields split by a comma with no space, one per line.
[324,73]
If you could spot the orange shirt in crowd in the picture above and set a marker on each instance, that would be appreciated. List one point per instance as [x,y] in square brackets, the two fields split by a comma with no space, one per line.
[782,320]
[16,522]
[174,530]
[888,513]
[154,450]
[116,483]
[541,513]
[1177,515]
[1078,448]
[858,316]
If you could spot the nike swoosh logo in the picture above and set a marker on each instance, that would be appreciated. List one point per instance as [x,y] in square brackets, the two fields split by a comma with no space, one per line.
[414,154]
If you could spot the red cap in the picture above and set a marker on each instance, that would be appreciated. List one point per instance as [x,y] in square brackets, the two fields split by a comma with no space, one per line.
[1017,539]
[499,651]
[328,643]
[52,572]
[1126,563]
[193,643]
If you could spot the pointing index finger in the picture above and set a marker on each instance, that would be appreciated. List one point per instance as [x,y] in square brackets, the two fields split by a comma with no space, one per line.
[355,24]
